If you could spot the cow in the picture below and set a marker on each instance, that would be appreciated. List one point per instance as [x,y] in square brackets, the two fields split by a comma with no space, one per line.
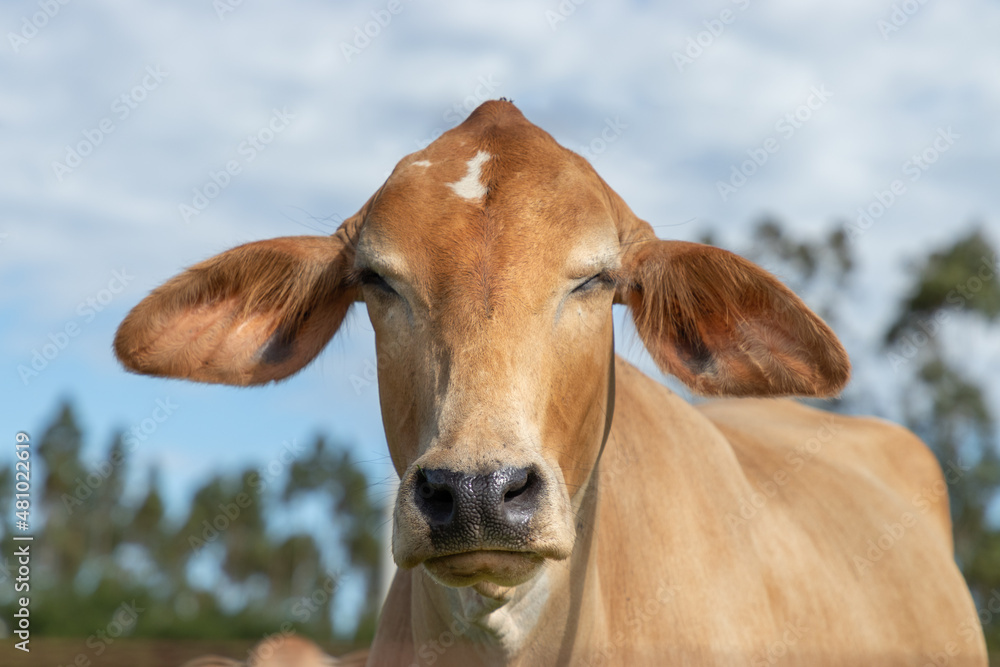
[556,506]
[283,650]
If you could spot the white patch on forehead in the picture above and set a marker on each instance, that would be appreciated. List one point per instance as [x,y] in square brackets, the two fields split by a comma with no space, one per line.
[471,187]
[421,163]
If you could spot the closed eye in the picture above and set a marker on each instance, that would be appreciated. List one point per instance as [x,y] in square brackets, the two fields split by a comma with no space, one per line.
[597,281]
[369,278]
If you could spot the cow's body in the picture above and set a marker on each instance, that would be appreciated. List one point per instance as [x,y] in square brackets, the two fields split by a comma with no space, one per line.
[703,553]
[557,507]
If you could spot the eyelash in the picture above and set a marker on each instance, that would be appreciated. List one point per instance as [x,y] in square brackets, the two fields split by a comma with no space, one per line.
[370,278]
[603,278]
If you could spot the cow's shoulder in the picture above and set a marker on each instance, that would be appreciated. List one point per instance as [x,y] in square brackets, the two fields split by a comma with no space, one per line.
[850,507]
[784,441]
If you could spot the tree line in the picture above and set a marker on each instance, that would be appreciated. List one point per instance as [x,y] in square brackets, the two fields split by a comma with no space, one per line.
[223,569]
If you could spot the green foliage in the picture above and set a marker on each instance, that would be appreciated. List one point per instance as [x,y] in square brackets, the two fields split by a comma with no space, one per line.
[963,275]
[102,552]
[802,261]
[947,408]
[347,491]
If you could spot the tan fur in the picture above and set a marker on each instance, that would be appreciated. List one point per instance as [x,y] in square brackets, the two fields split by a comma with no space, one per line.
[690,299]
[284,651]
[215,321]
[743,532]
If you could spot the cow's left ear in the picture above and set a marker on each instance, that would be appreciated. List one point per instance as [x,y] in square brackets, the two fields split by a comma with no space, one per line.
[253,314]
[725,327]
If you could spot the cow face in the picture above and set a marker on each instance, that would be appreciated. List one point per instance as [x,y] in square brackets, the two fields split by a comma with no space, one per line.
[488,263]
[490,292]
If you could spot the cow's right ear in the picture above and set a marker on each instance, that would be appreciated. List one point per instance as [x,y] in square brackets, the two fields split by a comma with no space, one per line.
[257,313]
[726,327]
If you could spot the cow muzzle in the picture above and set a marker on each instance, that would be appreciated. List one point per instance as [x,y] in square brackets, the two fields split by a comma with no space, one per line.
[492,510]
[484,526]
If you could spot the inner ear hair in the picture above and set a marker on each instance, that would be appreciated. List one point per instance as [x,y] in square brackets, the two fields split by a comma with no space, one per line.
[724,326]
[253,314]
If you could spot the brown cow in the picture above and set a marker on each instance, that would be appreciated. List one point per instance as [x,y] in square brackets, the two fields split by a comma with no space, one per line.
[282,651]
[556,506]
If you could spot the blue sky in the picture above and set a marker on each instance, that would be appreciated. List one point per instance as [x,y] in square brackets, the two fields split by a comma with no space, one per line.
[113,115]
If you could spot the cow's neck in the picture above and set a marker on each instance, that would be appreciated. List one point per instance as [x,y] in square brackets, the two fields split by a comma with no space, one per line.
[487,625]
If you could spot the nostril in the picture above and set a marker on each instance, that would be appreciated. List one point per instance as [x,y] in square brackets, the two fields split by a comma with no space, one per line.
[521,494]
[517,488]
[435,500]
[459,504]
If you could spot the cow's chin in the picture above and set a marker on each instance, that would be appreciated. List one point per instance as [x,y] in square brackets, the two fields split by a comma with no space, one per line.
[499,568]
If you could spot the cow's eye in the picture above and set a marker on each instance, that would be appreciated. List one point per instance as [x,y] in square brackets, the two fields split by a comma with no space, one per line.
[593,283]
[369,278]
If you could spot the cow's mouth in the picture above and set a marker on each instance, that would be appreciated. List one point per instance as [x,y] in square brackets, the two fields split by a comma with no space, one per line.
[504,568]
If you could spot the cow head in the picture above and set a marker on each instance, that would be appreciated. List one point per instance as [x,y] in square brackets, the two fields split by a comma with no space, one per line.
[488,262]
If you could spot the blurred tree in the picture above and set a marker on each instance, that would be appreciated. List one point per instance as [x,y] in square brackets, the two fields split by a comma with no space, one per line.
[102,550]
[960,277]
[945,406]
[6,500]
[819,270]
[146,526]
[332,473]
[6,528]
[59,452]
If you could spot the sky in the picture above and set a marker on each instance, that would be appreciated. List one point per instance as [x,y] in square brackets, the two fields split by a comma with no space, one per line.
[139,138]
